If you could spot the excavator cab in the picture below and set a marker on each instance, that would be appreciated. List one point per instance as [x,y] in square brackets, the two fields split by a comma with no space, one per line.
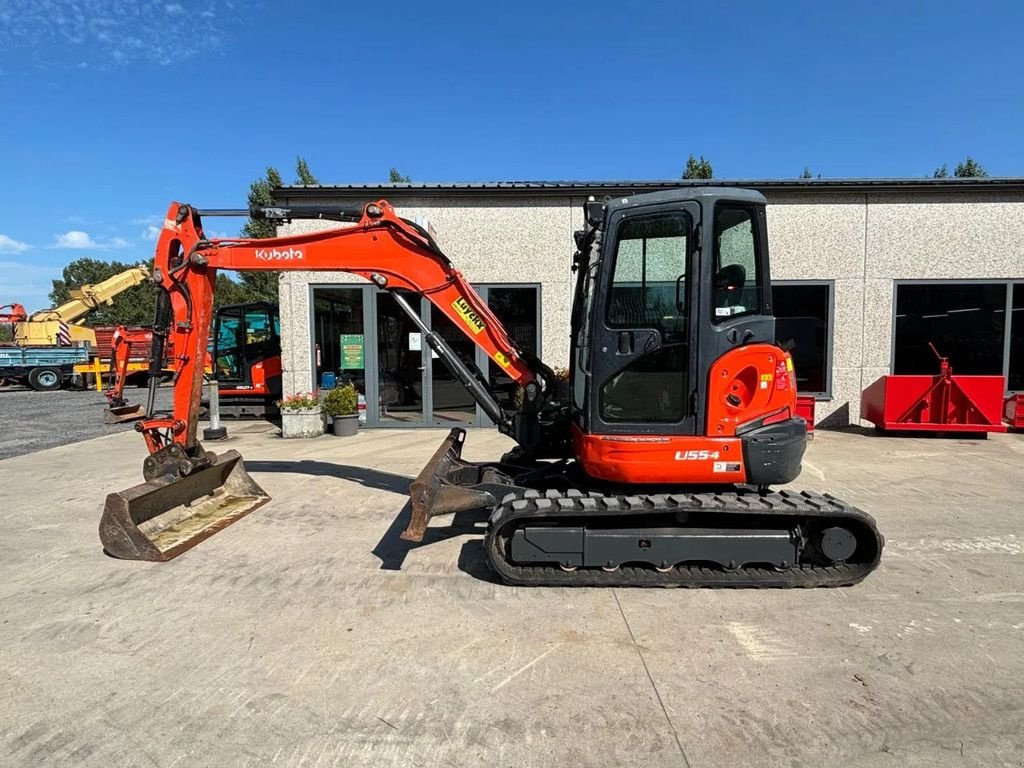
[673,339]
[246,358]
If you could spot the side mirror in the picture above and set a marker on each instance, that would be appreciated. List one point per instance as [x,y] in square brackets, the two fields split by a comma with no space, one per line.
[593,212]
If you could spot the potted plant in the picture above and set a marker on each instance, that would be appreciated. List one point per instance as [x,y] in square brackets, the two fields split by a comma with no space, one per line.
[342,405]
[301,415]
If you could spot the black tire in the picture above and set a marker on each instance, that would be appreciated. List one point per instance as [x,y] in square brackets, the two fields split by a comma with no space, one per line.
[45,379]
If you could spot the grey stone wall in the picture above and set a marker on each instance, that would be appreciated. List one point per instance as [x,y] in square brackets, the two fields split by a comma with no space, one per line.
[861,242]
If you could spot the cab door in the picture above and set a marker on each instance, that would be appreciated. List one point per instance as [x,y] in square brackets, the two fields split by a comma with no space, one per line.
[642,346]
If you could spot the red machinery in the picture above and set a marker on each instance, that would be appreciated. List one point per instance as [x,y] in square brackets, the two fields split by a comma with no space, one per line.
[1013,411]
[940,403]
[805,409]
[122,342]
[17,313]
[626,475]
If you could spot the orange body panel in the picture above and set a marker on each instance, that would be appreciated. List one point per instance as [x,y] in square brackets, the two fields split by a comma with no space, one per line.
[259,374]
[749,383]
[745,384]
[677,460]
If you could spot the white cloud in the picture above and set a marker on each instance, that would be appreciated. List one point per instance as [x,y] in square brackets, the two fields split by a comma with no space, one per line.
[99,34]
[10,245]
[79,240]
[74,238]
[151,232]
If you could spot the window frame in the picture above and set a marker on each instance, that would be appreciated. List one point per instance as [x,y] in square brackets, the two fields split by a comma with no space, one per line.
[830,337]
[1007,282]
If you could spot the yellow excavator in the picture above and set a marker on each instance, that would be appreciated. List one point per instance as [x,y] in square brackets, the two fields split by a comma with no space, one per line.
[62,326]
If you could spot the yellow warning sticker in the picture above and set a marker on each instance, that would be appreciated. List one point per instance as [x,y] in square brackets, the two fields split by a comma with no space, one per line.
[469,315]
[789,363]
[766,377]
[501,360]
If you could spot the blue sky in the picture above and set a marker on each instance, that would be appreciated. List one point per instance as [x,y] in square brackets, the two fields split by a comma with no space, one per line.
[111,109]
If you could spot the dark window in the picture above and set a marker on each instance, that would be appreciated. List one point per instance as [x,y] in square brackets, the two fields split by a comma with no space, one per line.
[737,284]
[1015,381]
[648,287]
[965,322]
[802,320]
[517,309]
[652,388]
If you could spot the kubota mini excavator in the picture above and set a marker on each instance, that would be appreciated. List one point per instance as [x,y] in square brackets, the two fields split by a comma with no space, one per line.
[651,467]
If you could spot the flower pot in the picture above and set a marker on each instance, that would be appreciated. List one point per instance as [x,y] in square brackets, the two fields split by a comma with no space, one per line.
[308,422]
[346,426]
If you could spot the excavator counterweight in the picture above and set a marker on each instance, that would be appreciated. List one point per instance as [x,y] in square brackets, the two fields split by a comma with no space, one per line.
[651,466]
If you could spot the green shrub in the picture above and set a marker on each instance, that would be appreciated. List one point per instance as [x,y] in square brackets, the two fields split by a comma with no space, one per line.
[342,401]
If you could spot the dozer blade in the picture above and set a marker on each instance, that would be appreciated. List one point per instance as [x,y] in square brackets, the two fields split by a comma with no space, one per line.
[123,413]
[161,518]
[443,487]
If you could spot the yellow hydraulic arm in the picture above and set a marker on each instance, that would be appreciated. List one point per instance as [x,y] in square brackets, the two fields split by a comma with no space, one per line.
[42,327]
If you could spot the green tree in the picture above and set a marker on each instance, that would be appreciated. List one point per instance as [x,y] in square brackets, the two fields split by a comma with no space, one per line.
[698,168]
[806,174]
[305,176]
[396,178]
[969,169]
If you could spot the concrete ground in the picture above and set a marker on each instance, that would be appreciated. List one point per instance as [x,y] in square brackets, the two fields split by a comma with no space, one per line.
[308,634]
[34,421]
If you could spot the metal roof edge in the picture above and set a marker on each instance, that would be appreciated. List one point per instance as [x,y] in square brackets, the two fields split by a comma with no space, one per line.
[559,188]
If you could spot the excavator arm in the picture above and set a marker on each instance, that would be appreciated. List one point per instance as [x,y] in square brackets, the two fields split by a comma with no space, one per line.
[391,252]
[190,493]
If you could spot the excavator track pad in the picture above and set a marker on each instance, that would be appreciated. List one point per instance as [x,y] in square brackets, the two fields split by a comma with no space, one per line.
[574,536]
[168,514]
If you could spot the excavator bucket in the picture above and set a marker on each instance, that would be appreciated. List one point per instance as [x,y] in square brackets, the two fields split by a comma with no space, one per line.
[161,518]
[445,486]
[120,414]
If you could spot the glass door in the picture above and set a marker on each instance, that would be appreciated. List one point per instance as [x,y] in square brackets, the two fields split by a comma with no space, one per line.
[451,403]
[400,362]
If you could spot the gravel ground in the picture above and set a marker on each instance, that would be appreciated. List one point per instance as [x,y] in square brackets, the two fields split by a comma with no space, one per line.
[34,421]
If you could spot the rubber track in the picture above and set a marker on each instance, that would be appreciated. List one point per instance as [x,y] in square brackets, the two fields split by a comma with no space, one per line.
[575,507]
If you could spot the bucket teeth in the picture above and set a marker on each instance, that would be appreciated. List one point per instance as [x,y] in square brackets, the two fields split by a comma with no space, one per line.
[161,518]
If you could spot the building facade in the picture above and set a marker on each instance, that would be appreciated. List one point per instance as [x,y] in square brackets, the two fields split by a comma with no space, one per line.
[866,275]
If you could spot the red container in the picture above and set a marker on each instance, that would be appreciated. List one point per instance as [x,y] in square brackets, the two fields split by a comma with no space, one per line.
[805,408]
[942,403]
[1013,411]
[104,334]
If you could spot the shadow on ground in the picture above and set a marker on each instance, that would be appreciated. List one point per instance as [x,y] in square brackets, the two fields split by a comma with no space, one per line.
[392,549]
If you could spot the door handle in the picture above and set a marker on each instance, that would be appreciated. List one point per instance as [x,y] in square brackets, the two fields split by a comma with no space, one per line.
[625,343]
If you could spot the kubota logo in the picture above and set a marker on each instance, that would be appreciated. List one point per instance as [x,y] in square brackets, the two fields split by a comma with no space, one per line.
[272,254]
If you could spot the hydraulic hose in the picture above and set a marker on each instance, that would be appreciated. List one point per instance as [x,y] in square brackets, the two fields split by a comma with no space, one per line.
[161,327]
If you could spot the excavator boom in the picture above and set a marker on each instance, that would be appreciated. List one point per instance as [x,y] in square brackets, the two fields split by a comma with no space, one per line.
[391,252]
[43,326]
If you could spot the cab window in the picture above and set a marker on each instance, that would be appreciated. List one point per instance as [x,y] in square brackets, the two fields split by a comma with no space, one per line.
[736,287]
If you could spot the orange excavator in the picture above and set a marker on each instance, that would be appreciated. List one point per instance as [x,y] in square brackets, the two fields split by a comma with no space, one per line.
[651,466]
[122,344]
